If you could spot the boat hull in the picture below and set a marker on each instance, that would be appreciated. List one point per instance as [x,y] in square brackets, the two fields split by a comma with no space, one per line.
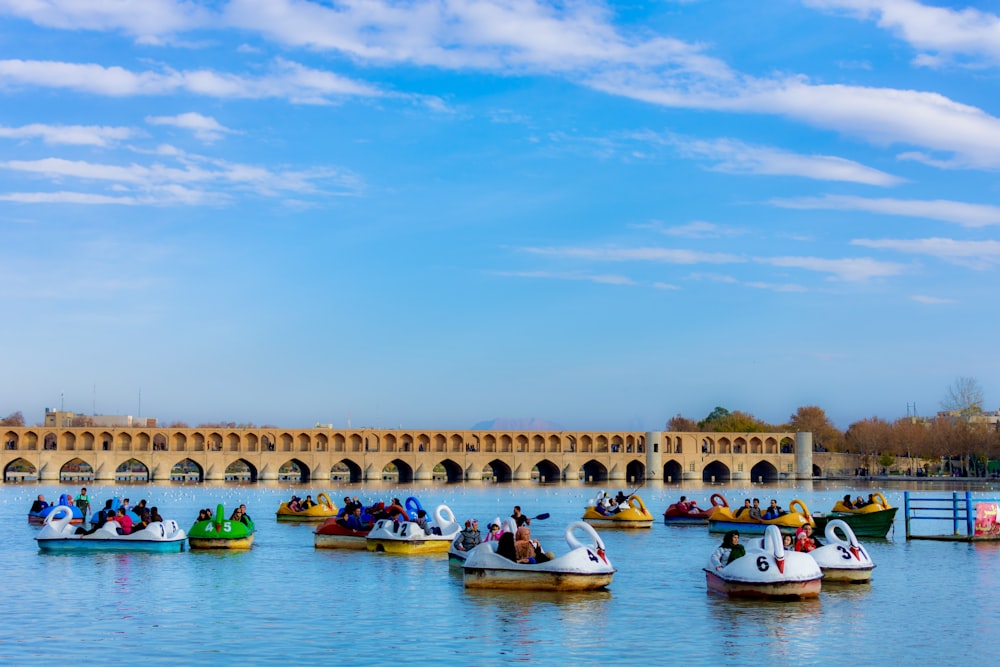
[408,547]
[864,524]
[685,520]
[783,590]
[599,521]
[474,577]
[848,576]
[92,545]
[221,542]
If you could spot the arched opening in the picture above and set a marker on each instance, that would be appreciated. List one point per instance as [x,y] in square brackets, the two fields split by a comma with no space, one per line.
[131,471]
[498,471]
[76,470]
[187,471]
[715,473]
[548,472]
[293,470]
[635,472]
[593,471]
[346,470]
[787,446]
[20,470]
[817,472]
[404,473]
[764,473]
[672,472]
[449,471]
[241,470]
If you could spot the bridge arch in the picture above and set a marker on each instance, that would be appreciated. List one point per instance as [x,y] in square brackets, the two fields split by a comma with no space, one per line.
[20,470]
[76,470]
[346,470]
[404,471]
[594,471]
[548,472]
[717,472]
[241,470]
[635,472]
[187,470]
[132,470]
[454,473]
[294,470]
[500,471]
[764,473]
[673,472]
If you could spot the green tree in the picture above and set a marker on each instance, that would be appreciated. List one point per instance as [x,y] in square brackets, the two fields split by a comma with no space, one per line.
[708,423]
[740,422]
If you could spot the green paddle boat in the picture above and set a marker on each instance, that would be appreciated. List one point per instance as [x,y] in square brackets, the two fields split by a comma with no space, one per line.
[221,533]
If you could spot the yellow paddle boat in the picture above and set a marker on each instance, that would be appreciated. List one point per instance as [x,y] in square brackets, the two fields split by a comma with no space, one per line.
[631,512]
[724,519]
[321,511]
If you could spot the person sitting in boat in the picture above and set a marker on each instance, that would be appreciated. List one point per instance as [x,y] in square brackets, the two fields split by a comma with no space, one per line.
[308,502]
[494,532]
[728,551]
[846,502]
[244,517]
[621,498]
[871,500]
[743,510]
[39,504]
[859,502]
[693,507]
[774,510]
[354,521]
[203,515]
[755,512]
[421,520]
[124,521]
[237,515]
[469,538]
[294,505]
[396,511]
[804,540]
[154,514]
[143,519]
[682,505]
[528,550]
[788,542]
[506,547]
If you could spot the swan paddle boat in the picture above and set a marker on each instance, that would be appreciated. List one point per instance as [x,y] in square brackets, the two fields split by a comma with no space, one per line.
[332,534]
[723,519]
[38,517]
[221,533]
[767,571]
[407,537]
[585,567]
[843,558]
[321,511]
[60,534]
[631,515]
[873,520]
[689,514]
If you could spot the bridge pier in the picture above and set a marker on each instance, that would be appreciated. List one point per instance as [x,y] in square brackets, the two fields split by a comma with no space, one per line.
[48,473]
[267,475]
[804,455]
[521,475]
[423,474]
[215,474]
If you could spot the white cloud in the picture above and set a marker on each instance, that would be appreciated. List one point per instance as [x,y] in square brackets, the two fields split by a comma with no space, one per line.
[75,135]
[205,128]
[604,279]
[931,300]
[287,80]
[734,156]
[966,32]
[962,213]
[852,269]
[974,254]
[666,255]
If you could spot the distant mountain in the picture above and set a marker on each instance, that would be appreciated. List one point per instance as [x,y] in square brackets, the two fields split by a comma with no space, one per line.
[528,424]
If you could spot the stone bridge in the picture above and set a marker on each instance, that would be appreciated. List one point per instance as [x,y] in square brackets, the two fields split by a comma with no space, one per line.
[50,454]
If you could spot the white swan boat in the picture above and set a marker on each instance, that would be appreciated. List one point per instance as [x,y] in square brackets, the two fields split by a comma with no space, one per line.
[407,537]
[58,534]
[843,558]
[767,571]
[584,567]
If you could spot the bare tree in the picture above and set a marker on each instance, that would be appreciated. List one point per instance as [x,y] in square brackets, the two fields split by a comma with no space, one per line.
[964,396]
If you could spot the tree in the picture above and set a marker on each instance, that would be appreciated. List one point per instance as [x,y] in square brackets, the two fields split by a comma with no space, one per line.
[13,419]
[740,422]
[868,437]
[811,418]
[964,396]
[708,423]
[682,424]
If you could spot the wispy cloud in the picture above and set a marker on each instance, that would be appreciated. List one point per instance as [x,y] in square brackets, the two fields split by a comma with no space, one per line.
[942,33]
[932,300]
[851,269]
[974,254]
[611,254]
[962,213]
[205,128]
[737,157]
[604,279]
[696,229]
[75,135]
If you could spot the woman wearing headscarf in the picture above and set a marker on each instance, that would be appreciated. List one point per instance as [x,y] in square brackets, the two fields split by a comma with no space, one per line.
[728,551]
[522,545]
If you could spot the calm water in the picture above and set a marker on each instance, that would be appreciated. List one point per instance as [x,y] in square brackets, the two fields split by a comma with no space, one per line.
[286,603]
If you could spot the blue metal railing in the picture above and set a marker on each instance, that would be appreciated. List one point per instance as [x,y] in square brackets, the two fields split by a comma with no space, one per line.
[959,509]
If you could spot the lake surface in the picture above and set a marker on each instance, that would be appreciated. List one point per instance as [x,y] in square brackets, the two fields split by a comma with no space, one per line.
[286,603]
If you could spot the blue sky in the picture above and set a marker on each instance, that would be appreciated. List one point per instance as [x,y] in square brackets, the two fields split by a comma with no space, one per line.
[430,214]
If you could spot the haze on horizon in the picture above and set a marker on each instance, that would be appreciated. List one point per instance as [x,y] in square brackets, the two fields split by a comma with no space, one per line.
[433,214]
